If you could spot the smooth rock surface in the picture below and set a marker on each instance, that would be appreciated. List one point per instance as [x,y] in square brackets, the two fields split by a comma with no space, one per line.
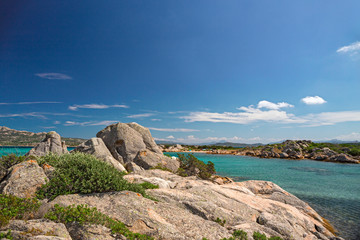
[37,229]
[132,143]
[51,143]
[97,147]
[89,232]
[24,179]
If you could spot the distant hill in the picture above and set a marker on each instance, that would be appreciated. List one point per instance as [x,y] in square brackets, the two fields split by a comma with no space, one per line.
[11,137]
[237,145]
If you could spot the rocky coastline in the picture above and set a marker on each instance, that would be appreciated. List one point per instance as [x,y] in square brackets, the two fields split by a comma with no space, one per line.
[178,208]
[289,149]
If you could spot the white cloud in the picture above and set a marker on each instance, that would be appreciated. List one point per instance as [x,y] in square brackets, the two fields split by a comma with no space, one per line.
[96,106]
[90,123]
[352,49]
[24,115]
[354,136]
[51,76]
[331,118]
[50,127]
[142,115]
[273,106]
[57,122]
[156,120]
[313,100]
[173,129]
[249,115]
[28,103]
[170,137]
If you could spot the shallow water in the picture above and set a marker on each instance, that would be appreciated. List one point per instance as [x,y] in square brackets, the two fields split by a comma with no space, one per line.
[20,151]
[332,189]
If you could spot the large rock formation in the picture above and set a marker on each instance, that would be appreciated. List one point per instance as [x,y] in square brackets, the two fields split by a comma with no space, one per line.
[51,143]
[97,147]
[187,209]
[132,143]
[24,179]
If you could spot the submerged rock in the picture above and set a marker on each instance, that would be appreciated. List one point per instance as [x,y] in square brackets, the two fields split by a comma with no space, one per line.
[51,143]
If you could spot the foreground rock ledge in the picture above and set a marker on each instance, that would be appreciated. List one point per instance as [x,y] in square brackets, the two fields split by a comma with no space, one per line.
[188,207]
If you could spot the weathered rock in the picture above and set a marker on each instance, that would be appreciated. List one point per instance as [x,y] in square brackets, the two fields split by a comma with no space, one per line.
[89,232]
[24,179]
[147,138]
[283,155]
[37,229]
[97,147]
[132,167]
[159,219]
[123,141]
[148,159]
[134,143]
[344,158]
[134,178]
[51,143]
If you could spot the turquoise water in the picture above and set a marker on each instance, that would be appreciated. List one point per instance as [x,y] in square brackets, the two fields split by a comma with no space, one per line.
[332,189]
[19,150]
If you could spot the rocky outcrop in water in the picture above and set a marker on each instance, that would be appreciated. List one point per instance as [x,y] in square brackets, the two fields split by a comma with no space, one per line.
[51,143]
[132,143]
[299,149]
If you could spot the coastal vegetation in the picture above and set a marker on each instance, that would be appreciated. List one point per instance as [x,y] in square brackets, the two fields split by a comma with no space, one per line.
[12,207]
[191,166]
[82,214]
[11,137]
[83,173]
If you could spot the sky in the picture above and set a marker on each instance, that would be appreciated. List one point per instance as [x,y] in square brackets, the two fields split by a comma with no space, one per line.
[191,71]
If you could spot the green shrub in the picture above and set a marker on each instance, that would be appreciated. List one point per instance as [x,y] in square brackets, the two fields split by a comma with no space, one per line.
[6,235]
[219,221]
[193,166]
[147,185]
[240,234]
[12,207]
[275,238]
[161,167]
[83,173]
[83,214]
[10,160]
[259,236]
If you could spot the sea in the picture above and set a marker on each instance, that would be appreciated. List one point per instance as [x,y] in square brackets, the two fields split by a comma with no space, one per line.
[332,189]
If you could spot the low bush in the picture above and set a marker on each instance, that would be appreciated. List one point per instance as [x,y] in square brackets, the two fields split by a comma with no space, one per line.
[83,173]
[83,214]
[161,167]
[259,236]
[220,222]
[12,207]
[7,161]
[6,235]
[191,166]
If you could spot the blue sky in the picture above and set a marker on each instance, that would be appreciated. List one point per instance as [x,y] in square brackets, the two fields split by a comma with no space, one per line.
[191,71]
